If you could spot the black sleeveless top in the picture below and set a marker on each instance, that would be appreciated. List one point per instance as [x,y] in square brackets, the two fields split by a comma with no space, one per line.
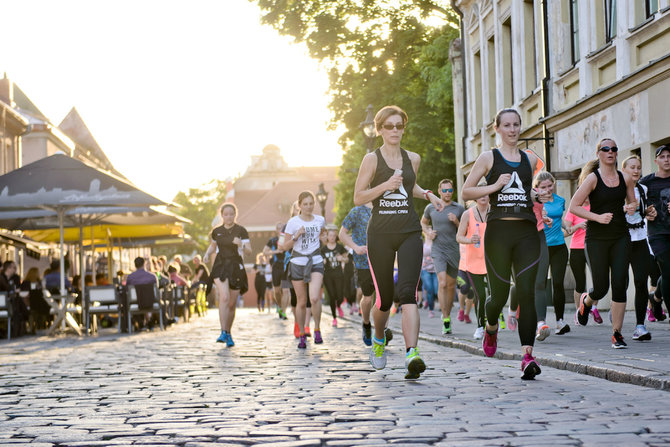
[513,200]
[604,199]
[393,211]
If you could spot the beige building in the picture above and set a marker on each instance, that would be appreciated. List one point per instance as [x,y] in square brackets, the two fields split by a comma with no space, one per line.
[577,71]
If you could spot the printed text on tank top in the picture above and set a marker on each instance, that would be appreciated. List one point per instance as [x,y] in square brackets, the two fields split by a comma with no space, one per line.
[513,199]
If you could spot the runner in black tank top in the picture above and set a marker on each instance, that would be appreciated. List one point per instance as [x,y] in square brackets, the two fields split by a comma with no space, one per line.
[607,238]
[511,238]
[387,178]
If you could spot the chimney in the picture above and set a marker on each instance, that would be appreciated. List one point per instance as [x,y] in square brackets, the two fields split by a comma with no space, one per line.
[7,91]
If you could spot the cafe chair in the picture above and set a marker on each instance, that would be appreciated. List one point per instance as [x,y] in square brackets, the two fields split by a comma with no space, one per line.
[102,300]
[144,299]
[6,313]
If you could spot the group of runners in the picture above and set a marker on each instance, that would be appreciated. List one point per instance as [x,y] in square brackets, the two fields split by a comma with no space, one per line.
[502,247]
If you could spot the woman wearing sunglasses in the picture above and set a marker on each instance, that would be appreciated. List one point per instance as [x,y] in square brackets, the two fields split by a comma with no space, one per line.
[511,239]
[608,245]
[387,178]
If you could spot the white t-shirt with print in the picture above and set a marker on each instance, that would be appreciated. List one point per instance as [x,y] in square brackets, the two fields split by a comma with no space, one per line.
[309,241]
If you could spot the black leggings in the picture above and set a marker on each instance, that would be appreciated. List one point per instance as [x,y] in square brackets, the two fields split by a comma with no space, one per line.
[382,249]
[578,267]
[607,256]
[507,244]
[478,286]
[333,281]
[640,262]
[540,280]
[663,260]
[558,261]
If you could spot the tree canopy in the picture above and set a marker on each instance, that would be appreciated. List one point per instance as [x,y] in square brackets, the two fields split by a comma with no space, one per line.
[380,52]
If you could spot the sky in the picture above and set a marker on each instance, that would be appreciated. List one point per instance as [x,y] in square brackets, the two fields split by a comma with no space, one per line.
[176,93]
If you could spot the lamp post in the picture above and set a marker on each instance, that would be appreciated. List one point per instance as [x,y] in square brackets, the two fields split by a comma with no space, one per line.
[321,197]
[368,127]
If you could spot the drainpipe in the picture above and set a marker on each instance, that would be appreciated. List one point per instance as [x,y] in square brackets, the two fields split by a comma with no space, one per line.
[465,89]
[545,85]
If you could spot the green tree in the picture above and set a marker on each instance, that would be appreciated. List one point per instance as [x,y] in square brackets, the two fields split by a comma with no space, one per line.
[380,52]
[200,206]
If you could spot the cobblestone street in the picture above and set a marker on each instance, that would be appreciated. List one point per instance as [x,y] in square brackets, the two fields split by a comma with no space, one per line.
[179,387]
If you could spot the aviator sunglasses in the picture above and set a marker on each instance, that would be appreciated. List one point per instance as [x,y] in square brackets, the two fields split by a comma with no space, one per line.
[607,149]
[445,190]
[399,126]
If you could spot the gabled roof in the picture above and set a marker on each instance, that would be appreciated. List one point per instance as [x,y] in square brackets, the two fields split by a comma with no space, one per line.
[26,105]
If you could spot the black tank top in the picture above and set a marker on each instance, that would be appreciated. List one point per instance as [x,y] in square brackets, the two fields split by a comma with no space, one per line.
[393,211]
[604,199]
[513,200]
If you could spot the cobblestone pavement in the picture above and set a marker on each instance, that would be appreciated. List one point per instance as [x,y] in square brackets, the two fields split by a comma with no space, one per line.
[586,350]
[178,387]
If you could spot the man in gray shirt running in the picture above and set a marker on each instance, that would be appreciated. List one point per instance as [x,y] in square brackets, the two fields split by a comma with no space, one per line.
[442,227]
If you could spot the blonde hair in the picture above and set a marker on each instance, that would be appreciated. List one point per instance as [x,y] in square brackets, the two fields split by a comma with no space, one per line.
[629,158]
[541,177]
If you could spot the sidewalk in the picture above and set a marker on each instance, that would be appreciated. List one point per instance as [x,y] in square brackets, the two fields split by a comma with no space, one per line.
[585,350]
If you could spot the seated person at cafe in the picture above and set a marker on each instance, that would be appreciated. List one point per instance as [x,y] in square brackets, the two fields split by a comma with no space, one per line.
[33,296]
[52,279]
[101,279]
[10,282]
[201,275]
[175,277]
[184,269]
[140,275]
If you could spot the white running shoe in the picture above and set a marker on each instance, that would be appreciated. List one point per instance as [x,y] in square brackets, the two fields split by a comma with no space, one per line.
[378,354]
[543,331]
[479,333]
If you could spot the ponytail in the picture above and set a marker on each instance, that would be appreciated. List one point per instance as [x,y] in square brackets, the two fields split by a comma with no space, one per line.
[589,168]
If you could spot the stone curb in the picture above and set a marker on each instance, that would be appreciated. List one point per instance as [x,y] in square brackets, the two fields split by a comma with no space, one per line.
[600,372]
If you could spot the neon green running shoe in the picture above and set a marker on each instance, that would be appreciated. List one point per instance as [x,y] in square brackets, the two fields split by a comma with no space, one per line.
[378,354]
[414,364]
[502,321]
[446,326]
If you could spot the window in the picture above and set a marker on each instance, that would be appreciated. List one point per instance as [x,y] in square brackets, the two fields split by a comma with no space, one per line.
[610,20]
[574,30]
[508,73]
[477,86]
[530,57]
[491,76]
[651,7]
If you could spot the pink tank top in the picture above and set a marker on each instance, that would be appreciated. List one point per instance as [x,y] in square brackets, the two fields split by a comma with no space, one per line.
[474,257]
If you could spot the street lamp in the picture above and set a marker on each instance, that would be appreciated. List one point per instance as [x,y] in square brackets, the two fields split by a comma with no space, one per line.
[368,127]
[321,197]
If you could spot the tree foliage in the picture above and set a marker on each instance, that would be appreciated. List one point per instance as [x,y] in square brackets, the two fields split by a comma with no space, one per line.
[380,52]
[200,206]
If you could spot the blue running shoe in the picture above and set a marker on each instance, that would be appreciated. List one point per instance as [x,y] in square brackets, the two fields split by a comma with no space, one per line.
[229,341]
[223,338]
[367,334]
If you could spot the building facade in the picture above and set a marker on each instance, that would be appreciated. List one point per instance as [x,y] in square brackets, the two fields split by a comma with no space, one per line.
[576,70]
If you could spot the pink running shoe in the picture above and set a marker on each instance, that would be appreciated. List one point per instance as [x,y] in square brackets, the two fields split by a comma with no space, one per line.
[490,343]
[529,367]
[467,319]
[512,320]
[431,314]
[340,312]
[596,316]
[334,322]
[650,316]
[461,315]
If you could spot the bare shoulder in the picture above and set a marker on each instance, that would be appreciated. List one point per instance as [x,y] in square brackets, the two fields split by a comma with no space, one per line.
[413,156]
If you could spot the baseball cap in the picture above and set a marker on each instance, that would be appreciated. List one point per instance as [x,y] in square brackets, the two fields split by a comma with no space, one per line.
[660,149]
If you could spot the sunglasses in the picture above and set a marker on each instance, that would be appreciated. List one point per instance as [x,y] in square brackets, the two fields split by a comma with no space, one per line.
[399,126]
[447,190]
[607,149]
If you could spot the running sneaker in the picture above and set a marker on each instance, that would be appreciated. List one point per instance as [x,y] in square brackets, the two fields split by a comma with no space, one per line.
[431,314]
[446,326]
[223,337]
[307,332]
[501,320]
[512,319]
[229,341]
[596,316]
[461,315]
[388,335]
[414,364]
[367,334]
[617,341]
[340,312]
[490,343]
[378,354]
[296,330]
[543,331]
[393,310]
[641,333]
[334,322]
[582,314]
[467,319]
[479,333]
[657,309]
[650,316]
[529,367]
[282,315]
[561,328]
[302,344]
[317,337]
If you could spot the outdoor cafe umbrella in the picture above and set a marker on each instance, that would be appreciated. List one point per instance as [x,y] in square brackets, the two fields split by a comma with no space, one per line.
[60,183]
